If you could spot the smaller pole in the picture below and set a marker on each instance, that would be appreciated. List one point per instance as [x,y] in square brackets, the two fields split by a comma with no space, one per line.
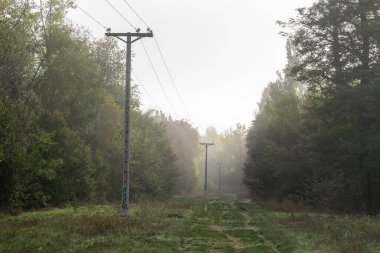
[206,146]
[206,180]
[220,166]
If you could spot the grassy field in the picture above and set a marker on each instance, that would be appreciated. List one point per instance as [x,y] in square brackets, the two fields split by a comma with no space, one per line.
[230,225]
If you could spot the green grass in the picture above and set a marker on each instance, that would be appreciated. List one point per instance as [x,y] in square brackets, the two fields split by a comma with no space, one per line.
[181,225]
[94,229]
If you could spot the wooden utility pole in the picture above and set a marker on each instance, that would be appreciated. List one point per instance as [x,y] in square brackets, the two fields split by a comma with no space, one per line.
[220,167]
[206,146]
[131,37]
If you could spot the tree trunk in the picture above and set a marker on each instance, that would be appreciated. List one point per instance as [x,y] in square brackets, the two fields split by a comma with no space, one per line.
[363,7]
[367,185]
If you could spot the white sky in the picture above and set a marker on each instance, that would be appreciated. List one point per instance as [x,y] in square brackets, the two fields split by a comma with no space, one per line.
[221,53]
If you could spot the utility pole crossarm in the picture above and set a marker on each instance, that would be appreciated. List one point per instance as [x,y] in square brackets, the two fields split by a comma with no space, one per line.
[207,143]
[141,35]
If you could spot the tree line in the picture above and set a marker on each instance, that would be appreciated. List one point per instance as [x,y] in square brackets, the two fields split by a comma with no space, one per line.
[316,135]
[61,117]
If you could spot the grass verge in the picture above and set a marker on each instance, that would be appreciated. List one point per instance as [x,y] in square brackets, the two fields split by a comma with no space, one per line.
[181,225]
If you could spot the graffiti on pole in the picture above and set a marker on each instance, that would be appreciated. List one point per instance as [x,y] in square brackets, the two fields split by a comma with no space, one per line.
[125,198]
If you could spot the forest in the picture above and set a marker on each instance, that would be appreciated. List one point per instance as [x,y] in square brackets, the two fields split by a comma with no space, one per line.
[61,120]
[315,137]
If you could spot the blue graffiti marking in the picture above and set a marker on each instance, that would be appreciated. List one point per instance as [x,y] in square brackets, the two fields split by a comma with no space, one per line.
[125,198]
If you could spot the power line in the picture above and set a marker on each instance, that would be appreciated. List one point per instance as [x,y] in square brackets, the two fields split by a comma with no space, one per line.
[145,90]
[121,15]
[157,107]
[163,59]
[99,23]
[130,7]
[159,80]
[171,78]
[151,63]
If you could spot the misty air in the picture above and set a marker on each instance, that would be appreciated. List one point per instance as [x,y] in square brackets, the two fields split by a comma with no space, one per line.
[190,126]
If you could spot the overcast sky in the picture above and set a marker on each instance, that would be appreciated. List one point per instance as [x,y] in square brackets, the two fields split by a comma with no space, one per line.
[221,53]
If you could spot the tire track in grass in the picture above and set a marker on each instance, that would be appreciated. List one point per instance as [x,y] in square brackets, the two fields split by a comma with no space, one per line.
[225,227]
[247,221]
[233,241]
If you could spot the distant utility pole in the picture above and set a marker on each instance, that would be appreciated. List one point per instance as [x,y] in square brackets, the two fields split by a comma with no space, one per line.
[131,37]
[206,145]
[220,167]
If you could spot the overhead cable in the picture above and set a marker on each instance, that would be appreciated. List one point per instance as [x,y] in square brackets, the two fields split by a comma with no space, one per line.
[121,15]
[158,79]
[97,21]
[163,59]
[171,78]
[130,7]
[145,90]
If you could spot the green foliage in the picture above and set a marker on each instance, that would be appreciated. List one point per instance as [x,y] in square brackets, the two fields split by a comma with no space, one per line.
[184,140]
[153,162]
[325,150]
[61,115]
[274,144]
